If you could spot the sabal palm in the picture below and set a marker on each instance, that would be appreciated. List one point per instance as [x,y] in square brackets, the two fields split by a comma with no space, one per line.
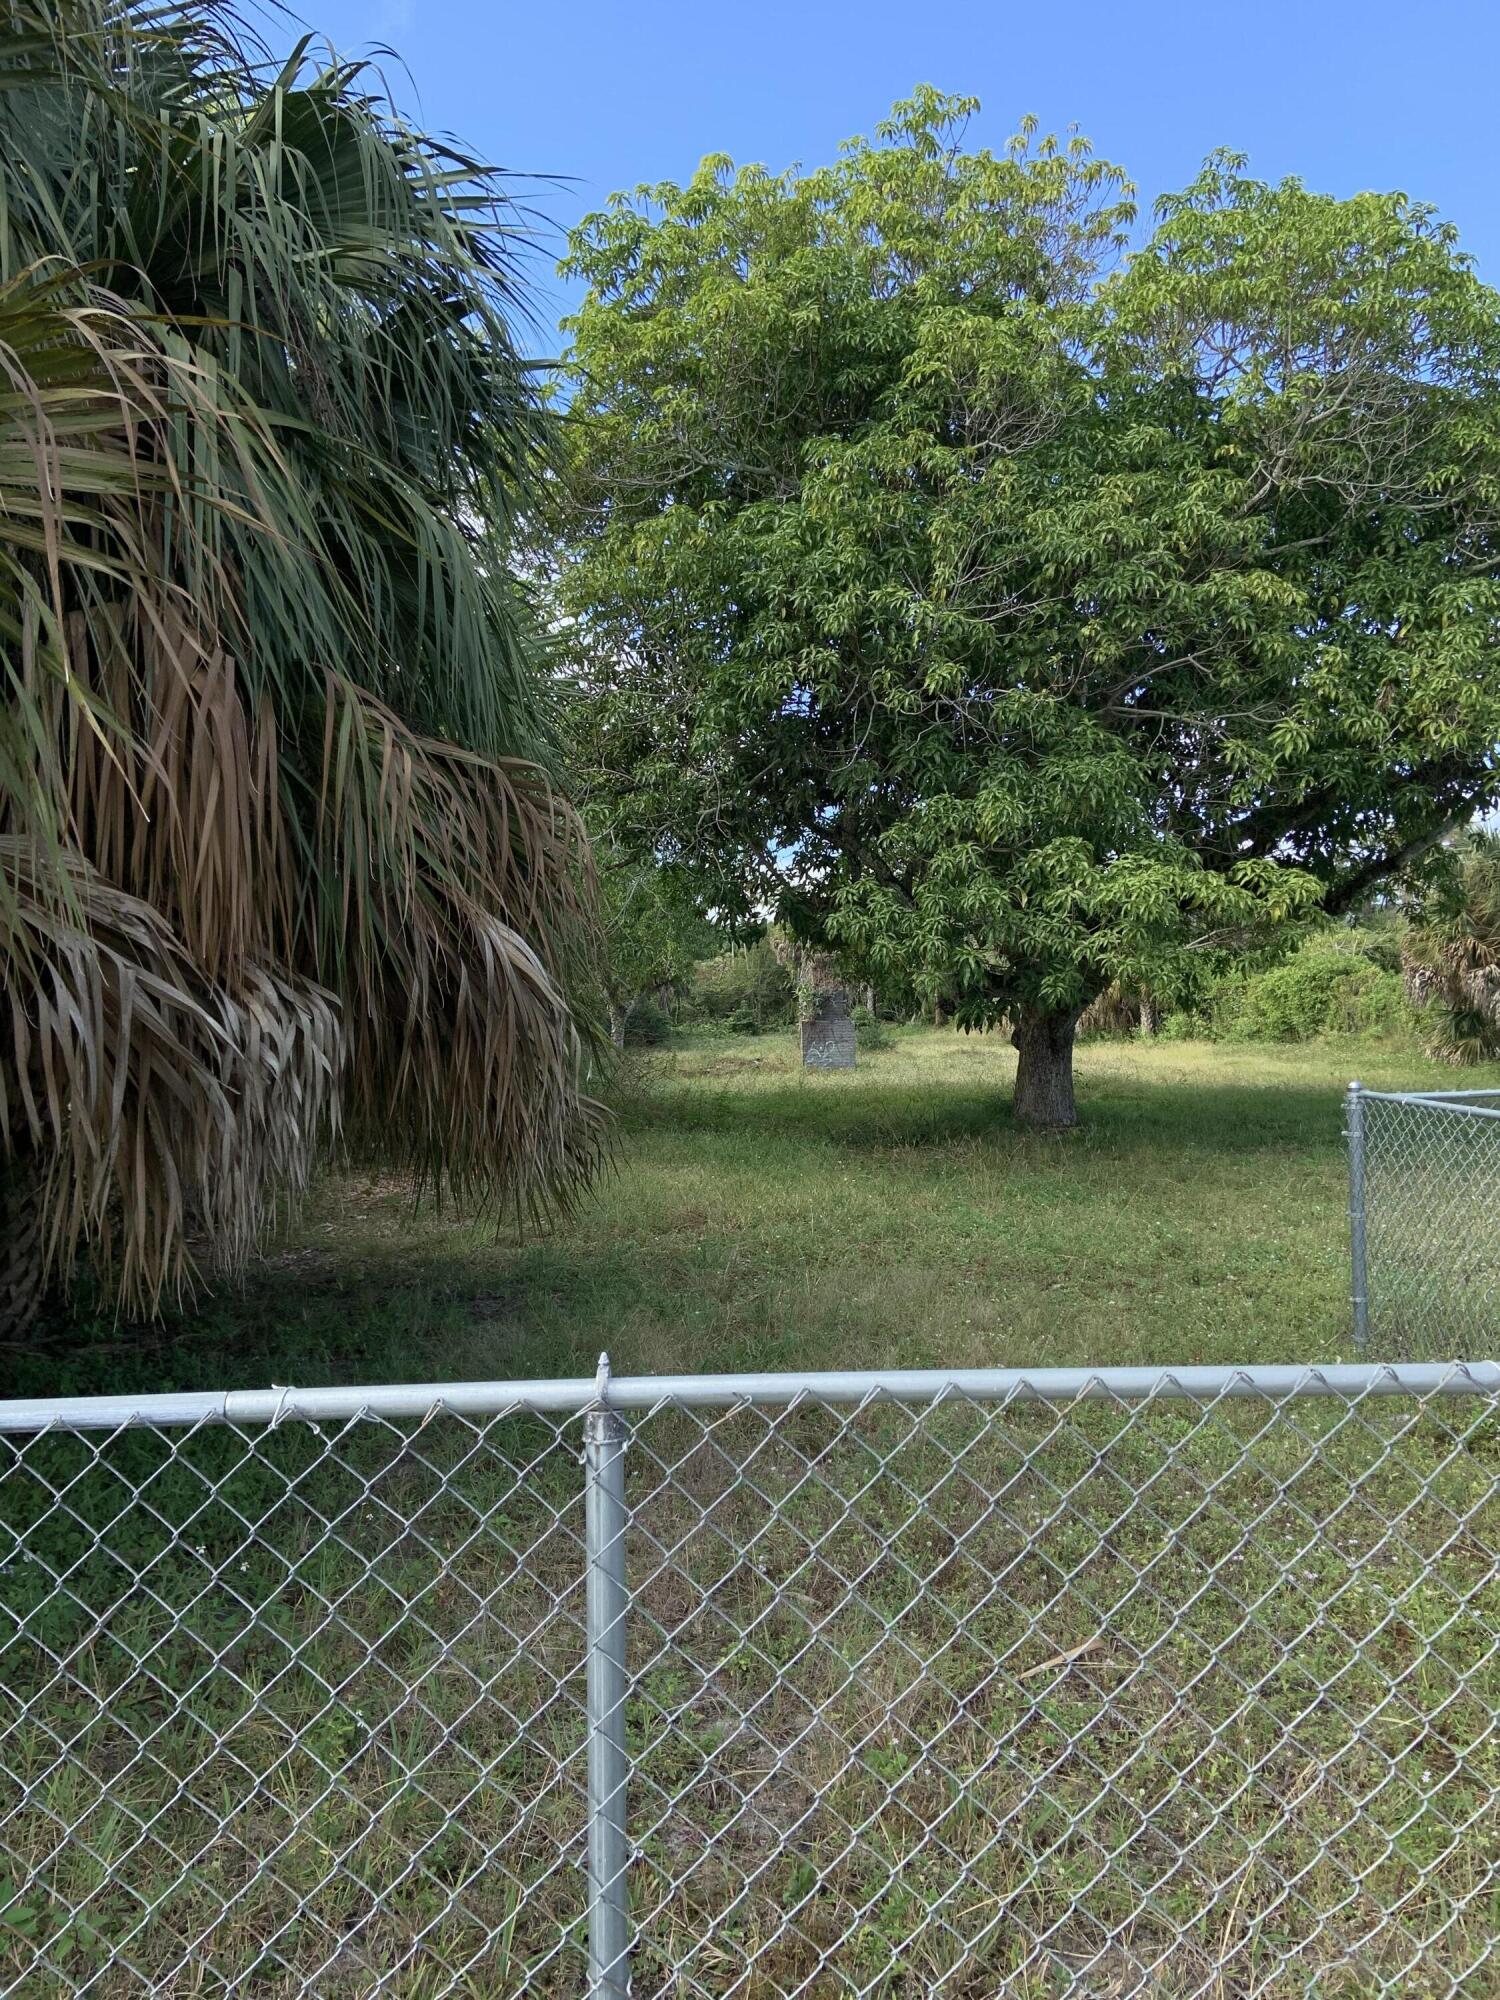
[1452,959]
[277,851]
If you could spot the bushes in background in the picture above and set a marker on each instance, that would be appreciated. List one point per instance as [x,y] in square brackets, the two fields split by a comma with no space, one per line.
[870,1032]
[648,1024]
[1337,982]
[745,989]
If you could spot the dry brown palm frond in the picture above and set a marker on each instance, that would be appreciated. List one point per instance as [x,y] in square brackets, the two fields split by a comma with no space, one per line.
[1458,982]
[281,1063]
[178,803]
[81,385]
[157,1108]
[237,894]
[1113,1012]
[463,1051]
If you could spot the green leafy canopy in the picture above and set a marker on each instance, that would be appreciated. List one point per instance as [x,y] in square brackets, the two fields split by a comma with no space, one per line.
[652,931]
[1011,611]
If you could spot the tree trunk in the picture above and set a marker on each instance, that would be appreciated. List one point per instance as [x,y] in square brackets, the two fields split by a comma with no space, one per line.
[618,1016]
[1044,1074]
[23,1249]
[1150,1015]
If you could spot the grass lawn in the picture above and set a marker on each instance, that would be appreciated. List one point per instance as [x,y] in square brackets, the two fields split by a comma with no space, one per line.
[759,1217]
[1023,1702]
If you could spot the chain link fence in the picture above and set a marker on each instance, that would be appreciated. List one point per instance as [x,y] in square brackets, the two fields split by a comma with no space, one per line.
[1424,1215]
[1136,1682]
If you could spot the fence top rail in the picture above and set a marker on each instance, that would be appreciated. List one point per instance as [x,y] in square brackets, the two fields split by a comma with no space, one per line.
[1467,1101]
[402,1401]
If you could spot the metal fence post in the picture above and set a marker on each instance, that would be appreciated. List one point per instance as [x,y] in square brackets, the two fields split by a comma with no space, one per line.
[608,1598]
[1354,1105]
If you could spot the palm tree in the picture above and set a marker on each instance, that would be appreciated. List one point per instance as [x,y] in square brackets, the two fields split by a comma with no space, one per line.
[1451,959]
[279,854]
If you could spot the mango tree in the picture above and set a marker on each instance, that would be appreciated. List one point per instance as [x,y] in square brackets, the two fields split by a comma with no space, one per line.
[1013,614]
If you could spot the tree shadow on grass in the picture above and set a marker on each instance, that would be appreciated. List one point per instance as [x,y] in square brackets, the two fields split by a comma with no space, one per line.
[404,1310]
[1136,1115]
[432,1319]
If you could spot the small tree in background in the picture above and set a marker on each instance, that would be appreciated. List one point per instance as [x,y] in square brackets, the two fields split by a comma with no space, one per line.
[654,933]
[1015,624]
[746,987]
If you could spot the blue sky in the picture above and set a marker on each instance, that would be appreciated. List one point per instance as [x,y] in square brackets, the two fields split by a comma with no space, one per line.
[1348,94]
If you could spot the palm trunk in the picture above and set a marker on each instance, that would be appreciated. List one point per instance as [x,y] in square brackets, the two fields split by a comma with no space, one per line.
[1044,1074]
[23,1249]
[618,1016]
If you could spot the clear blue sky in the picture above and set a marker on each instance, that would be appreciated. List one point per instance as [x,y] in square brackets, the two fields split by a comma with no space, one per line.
[1348,94]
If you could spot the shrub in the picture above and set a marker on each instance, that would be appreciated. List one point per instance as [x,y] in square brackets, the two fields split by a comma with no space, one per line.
[1331,985]
[1188,1024]
[748,980]
[648,1025]
[870,1032]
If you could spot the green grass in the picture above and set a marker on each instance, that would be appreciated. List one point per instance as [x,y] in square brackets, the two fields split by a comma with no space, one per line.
[759,1217]
[911,1697]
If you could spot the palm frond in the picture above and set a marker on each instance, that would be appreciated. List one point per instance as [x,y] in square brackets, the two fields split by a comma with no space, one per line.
[159,1108]
[1451,959]
[279,842]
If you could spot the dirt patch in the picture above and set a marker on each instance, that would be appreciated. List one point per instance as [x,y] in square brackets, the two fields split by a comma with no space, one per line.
[504,1304]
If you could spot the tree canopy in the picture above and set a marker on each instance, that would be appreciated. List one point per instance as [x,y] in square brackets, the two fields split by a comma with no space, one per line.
[279,853]
[1015,613]
[652,931]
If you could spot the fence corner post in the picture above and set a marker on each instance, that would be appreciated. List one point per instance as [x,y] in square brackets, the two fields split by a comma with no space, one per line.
[1354,1129]
[608,1598]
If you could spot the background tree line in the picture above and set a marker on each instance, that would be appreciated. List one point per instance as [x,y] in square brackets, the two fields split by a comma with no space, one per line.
[1425,973]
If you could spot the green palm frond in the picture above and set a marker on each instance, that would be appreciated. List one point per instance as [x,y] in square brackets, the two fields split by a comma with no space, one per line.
[1451,959]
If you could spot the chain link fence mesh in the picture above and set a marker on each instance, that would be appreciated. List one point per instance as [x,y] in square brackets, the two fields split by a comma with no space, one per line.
[1105,1694]
[1430,1200]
